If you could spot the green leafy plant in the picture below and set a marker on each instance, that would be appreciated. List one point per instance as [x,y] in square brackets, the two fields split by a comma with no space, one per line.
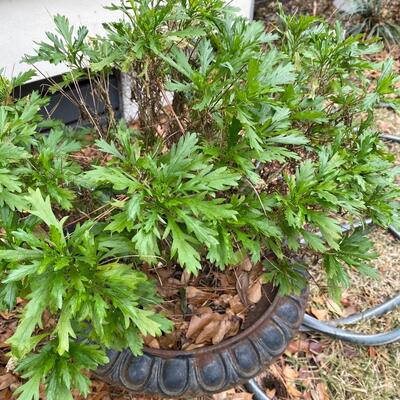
[51,168]
[149,30]
[179,198]
[246,144]
[72,277]
[19,121]
[5,89]
[30,159]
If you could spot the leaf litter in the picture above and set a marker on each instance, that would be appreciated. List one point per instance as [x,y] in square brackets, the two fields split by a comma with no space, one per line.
[208,308]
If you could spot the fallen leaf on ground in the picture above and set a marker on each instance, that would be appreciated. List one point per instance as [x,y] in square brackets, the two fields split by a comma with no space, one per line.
[298,346]
[271,393]
[6,380]
[334,307]
[346,299]
[321,315]
[212,327]
[290,373]
[246,265]
[242,286]
[151,342]
[237,306]
[224,395]
[224,327]
[349,311]
[322,390]
[306,376]
[242,396]
[11,365]
[226,280]
[275,379]
[167,291]
[372,352]
[198,322]
[316,347]
[100,396]
[232,395]
[192,346]
[384,126]
[254,293]
[7,315]
[350,351]
[197,296]
[5,394]
[210,331]
[293,391]
[185,278]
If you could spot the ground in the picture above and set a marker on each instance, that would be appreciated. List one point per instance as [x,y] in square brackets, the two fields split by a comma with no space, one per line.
[314,366]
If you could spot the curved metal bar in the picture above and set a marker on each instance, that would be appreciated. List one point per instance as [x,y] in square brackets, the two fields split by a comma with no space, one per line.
[377,311]
[253,387]
[352,337]
[394,231]
[391,106]
[359,224]
[391,138]
[329,328]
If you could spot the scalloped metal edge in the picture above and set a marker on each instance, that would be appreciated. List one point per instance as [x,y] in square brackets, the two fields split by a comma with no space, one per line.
[211,369]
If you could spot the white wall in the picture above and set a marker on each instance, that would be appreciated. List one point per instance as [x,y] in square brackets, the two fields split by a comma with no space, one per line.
[24,21]
[246,7]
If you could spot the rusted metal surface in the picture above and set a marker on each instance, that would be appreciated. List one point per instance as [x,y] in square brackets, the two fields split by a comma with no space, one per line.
[169,373]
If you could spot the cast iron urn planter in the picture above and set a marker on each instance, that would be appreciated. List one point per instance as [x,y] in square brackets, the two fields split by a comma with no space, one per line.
[172,373]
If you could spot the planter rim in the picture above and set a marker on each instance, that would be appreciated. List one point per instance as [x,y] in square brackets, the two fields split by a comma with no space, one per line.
[214,368]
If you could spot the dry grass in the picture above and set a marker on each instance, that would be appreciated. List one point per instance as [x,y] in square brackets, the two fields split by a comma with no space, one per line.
[355,372]
[388,121]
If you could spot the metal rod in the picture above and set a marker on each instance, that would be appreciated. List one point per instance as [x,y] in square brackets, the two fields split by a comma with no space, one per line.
[379,339]
[394,231]
[387,105]
[329,327]
[253,387]
[348,227]
[391,138]
[377,311]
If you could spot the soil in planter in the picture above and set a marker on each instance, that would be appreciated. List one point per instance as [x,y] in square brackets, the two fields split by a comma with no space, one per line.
[208,308]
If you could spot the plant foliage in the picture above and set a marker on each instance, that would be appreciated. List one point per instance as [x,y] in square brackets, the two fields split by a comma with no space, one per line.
[246,143]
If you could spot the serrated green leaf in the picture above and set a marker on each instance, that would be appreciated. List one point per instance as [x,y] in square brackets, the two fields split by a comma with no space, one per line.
[20,272]
[314,241]
[30,389]
[133,206]
[112,176]
[188,256]
[64,330]
[42,208]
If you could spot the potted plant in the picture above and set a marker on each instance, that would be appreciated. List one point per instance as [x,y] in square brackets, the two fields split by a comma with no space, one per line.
[171,254]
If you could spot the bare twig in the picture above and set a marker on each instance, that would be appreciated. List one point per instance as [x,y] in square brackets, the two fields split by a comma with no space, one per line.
[182,129]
